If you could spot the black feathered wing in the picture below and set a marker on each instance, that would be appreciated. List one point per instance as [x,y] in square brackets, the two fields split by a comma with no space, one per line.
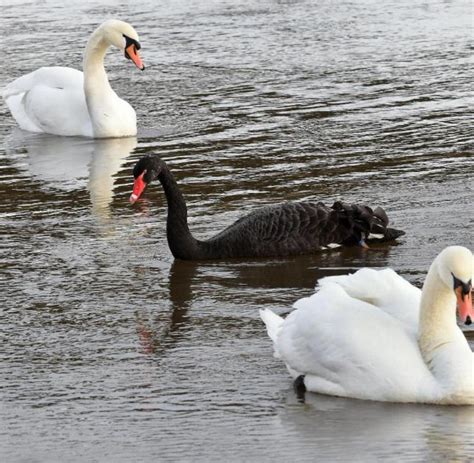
[284,229]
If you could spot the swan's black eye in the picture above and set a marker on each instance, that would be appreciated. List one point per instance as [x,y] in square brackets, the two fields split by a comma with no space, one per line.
[138,170]
[465,287]
[150,174]
[129,41]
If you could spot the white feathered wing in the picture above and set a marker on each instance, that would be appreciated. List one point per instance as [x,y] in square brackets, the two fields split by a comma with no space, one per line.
[356,337]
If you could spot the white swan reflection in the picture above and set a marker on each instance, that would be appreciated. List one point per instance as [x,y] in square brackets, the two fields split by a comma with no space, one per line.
[72,163]
[377,431]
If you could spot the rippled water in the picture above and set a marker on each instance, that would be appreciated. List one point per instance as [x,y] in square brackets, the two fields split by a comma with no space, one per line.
[112,351]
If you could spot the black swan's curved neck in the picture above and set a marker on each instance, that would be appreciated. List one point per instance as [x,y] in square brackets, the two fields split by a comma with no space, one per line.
[280,230]
[182,244]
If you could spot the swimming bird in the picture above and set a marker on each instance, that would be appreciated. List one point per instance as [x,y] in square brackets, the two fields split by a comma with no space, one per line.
[64,101]
[372,335]
[284,229]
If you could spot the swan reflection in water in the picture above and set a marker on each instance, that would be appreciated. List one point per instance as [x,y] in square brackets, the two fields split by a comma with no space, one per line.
[189,282]
[165,328]
[377,431]
[67,164]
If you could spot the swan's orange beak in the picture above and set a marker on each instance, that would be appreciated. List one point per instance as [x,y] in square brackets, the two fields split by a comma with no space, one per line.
[466,311]
[138,186]
[131,52]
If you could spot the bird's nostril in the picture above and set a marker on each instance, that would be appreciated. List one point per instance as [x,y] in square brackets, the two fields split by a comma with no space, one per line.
[468,320]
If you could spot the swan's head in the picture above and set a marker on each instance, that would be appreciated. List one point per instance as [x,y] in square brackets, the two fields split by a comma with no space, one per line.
[123,36]
[145,171]
[455,268]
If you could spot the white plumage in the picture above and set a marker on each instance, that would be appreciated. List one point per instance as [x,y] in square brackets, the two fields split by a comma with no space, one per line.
[50,100]
[372,335]
[64,101]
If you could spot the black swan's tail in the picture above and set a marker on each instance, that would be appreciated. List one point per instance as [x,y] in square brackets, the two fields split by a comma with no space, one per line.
[380,227]
[366,224]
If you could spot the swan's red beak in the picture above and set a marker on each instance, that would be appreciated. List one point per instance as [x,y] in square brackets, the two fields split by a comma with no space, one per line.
[138,186]
[131,52]
[466,311]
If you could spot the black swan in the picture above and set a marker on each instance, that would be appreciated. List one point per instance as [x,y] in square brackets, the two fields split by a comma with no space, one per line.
[284,229]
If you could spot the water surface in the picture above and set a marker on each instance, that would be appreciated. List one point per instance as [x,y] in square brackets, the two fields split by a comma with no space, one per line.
[113,351]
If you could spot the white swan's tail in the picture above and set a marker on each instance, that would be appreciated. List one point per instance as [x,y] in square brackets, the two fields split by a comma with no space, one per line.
[19,86]
[15,94]
[273,323]
[54,77]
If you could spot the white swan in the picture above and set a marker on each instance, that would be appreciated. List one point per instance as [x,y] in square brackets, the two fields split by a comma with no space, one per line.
[64,101]
[374,336]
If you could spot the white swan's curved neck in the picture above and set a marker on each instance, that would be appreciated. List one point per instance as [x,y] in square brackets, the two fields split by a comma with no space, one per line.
[442,344]
[95,77]
[437,315]
[439,338]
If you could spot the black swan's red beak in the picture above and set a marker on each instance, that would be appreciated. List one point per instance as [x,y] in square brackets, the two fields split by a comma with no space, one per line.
[138,186]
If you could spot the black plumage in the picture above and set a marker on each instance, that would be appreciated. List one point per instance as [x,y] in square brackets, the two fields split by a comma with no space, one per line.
[284,229]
